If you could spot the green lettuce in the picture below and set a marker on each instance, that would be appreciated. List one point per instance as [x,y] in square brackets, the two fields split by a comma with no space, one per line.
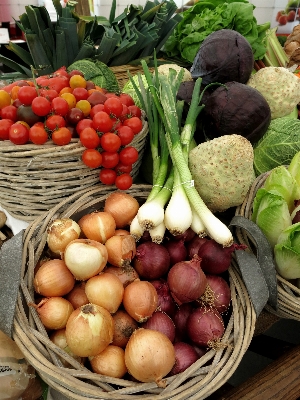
[206,17]
[287,252]
[278,146]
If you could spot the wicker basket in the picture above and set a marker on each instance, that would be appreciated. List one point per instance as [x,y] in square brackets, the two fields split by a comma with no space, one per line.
[121,73]
[34,178]
[78,383]
[288,294]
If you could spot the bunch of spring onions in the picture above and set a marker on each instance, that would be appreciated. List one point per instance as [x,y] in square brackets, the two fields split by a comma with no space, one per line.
[173,203]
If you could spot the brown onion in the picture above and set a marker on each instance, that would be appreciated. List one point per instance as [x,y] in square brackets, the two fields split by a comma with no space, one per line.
[122,206]
[185,356]
[77,296]
[85,258]
[53,278]
[98,225]
[122,232]
[124,326]
[60,233]
[58,337]
[110,362]
[89,330]
[54,312]
[105,290]
[126,274]
[152,260]
[120,250]
[140,300]
[160,321]
[149,356]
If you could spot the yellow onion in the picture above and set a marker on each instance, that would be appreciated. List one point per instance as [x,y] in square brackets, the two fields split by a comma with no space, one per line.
[120,250]
[60,233]
[105,290]
[53,278]
[126,274]
[124,326]
[85,258]
[89,330]
[58,337]
[122,206]
[140,300]
[54,312]
[98,225]
[110,362]
[77,296]
[149,356]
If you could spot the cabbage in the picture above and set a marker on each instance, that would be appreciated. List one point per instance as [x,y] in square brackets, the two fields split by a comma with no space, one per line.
[287,252]
[129,89]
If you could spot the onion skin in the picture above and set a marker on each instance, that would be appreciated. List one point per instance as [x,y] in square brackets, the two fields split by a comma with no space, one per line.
[54,312]
[205,326]
[177,251]
[53,278]
[185,356]
[160,321]
[122,206]
[152,260]
[98,225]
[149,356]
[217,293]
[126,274]
[194,245]
[58,337]
[166,302]
[140,300]
[121,249]
[186,236]
[77,296]
[89,330]
[180,320]
[60,233]
[124,326]
[110,362]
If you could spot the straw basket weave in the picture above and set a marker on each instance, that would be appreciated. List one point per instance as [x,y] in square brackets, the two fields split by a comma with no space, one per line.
[121,73]
[288,294]
[34,178]
[199,381]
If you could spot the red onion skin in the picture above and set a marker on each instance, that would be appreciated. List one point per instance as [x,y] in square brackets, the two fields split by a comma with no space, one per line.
[199,350]
[160,321]
[186,280]
[185,356]
[186,236]
[152,260]
[205,326]
[177,251]
[194,245]
[180,320]
[166,302]
[220,291]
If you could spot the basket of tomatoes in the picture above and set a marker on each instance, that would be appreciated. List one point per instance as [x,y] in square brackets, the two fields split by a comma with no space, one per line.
[61,133]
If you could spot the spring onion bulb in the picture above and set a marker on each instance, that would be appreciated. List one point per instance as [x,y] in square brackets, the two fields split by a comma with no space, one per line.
[158,232]
[197,224]
[151,214]
[135,229]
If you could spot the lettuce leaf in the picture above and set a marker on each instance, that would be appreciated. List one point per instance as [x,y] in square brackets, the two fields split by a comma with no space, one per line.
[278,146]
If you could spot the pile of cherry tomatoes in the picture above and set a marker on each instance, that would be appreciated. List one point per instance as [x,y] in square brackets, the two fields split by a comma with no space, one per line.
[65,106]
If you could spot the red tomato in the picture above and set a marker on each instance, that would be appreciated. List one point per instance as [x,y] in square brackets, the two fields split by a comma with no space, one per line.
[55,122]
[60,106]
[49,94]
[110,142]
[92,158]
[129,155]
[61,136]
[126,135]
[126,99]
[110,160]
[125,113]
[75,72]
[41,106]
[80,93]
[89,138]
[18,133]
[121,168]
[9,112]
[84,123]
[5,124]
[134,123]
[62,71]
[107,176]
[123,181]
[95,109]
[38,134]
[135,111]
[26,94]
[102,122]
[58,83]
[113,106]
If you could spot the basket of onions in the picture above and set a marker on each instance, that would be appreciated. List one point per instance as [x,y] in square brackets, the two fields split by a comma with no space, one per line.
[102,316]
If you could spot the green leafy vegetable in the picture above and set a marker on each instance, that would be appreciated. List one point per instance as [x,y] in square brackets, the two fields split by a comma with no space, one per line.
[278,146]
[287,252]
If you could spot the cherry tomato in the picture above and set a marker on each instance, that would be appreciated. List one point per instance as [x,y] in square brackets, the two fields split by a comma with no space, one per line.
[60,106]
[92,158]
[58,83]
[110,160]
[55,122]
[62,71]
[84,123]
[89,138]
[121,168]
[9,112]
[95,109]
[123,181]
[41,106]
[80,93]
[61,136]
[135,111]
[18,133]
[129,155]
[74,115]
[125,113]
[135,124]
[5,124]
[38,134]
[102,122]
[110,142]
[49,94]
[113,106]
[126,135]
[107,176]
[26,94]
[126,99]
[75,72]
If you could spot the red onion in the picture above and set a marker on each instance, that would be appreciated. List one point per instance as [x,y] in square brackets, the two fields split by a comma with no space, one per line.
[186,280]
[177,251]
[152,260]
[199,350]
[205,326]
[185,356]
[180,320]
[216,258]
[166,302]
[160,321]
[217,293]
[194,245]
[186,236]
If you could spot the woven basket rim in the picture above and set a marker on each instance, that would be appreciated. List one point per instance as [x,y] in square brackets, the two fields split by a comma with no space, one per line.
[199,380]
[288,294]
